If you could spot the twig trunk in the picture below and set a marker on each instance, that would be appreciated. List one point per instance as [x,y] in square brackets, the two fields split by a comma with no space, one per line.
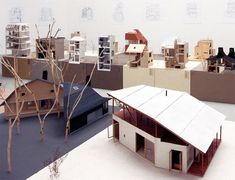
[9,143]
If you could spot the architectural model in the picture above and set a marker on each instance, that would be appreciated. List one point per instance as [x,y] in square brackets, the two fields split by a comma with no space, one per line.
[107,49]
[221,61]
[171,129]
[135,37]
[18,39]
[77,49]
[175,55]
[204,49]
[143,57]
[54,45]
[44,95]
[91,107]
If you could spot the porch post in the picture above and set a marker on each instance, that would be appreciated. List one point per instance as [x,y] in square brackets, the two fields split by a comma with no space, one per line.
[220,133]
[202,160]
[112,105]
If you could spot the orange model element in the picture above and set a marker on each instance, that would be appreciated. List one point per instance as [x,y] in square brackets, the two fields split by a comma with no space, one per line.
[135,37]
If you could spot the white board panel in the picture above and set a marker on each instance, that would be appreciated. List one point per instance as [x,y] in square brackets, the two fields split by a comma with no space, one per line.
[141,97]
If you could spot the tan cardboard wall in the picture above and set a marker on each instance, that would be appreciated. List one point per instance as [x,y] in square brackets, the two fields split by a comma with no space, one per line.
[170,78]
[136,76]
[176,79]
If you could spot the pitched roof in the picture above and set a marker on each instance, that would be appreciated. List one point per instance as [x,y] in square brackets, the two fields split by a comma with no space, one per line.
[185,116]
[30,82]
[90,99]
[135,48]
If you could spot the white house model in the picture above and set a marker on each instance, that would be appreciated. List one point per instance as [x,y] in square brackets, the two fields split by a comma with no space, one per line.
[77,47]
[171,129]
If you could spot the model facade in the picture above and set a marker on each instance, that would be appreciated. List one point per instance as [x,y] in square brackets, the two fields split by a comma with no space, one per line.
[106,52]
[171,129]
[221,61]
[91,107]
[142,56]
[176,55]
[18,39]
[44,96]
[77,49]
[135,37]
[52,47]
[204,49]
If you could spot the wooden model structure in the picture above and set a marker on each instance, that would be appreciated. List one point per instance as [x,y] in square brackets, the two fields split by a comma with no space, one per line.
[143,57]
[54,45]
[204,49]
[18,39]
[135,37]
[44,95]
[157,127]
[221,61]
[177,55]
[107,50]
[91,107]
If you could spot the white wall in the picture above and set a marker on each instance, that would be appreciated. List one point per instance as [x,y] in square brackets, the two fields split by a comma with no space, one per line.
[127,137]
[31,14]
[211,22]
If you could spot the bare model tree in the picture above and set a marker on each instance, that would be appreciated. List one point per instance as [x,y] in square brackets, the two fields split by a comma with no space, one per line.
[54,163]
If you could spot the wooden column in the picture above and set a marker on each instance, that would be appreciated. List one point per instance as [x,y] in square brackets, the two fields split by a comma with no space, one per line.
[220,133]
[202,165]
[112,105]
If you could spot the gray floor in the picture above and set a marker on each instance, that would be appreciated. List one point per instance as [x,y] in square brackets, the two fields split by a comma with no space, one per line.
[29,153]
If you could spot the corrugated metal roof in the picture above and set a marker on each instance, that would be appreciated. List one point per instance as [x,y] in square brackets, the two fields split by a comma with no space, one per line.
[179,112]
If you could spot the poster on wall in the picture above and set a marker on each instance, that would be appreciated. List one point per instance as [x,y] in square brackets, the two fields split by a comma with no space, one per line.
[87,13]
[118,12]
[192,12]
[16,15]
[46,15]
[229,13]
[152,12]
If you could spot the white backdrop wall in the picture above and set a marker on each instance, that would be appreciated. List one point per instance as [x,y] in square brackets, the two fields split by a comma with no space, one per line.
[190,20]
[40,12]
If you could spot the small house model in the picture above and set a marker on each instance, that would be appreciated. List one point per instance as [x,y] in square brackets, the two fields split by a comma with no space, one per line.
[107,50]
[143,57]
[176,55]
[204,49]
[91,107]
[221,61]
[18,39]
[171,129]
[76,49]
[44,96]
[135,37]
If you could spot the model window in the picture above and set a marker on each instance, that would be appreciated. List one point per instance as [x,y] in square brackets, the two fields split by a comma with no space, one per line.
[44,75]
[31,105]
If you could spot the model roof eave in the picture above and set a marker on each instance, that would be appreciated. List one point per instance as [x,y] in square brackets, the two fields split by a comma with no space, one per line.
[183,115]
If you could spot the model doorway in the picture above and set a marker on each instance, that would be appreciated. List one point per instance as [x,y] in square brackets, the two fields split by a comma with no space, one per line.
[176,160]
